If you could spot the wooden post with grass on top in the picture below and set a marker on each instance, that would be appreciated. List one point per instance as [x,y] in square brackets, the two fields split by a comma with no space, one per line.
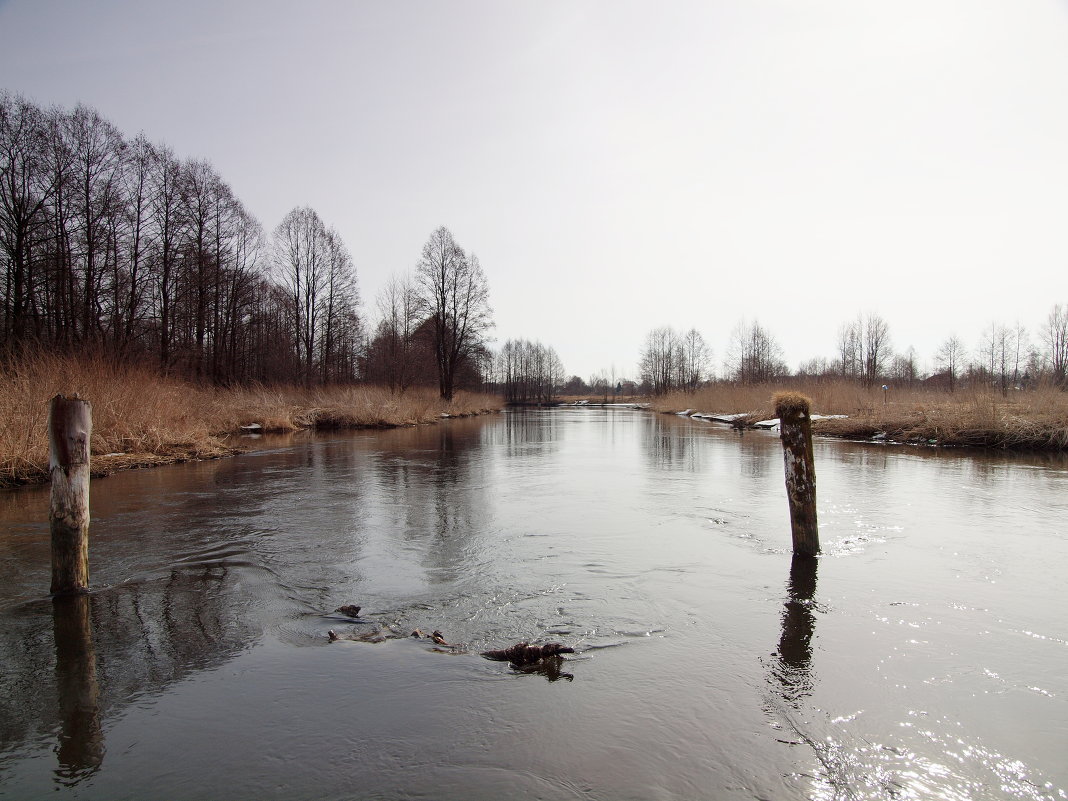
[794,411]
[70,424]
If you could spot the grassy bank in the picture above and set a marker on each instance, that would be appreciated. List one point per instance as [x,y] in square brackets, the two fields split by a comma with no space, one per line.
[1027,419]
[141,418]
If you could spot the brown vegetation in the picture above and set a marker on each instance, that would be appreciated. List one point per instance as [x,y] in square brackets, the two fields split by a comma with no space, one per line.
[1022,419]
[141,418]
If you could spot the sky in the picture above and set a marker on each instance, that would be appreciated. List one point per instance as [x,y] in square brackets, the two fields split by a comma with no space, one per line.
[618,166]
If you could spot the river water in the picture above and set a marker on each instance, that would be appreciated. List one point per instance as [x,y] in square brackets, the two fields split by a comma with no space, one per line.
[924,655]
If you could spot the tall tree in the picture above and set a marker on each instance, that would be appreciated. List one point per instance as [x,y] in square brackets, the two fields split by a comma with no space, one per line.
[97,169]
[25,190]
[302,263]
[660,360]
[391,356]
[950,357]
[455,295]
[876,347]
[754,356]
[1054,335]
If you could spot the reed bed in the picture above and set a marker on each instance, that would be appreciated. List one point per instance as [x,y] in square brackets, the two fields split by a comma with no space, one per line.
[976,417]
[141,418]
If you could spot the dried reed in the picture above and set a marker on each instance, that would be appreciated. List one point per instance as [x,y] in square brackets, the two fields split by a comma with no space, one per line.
[141,418]
[980,417]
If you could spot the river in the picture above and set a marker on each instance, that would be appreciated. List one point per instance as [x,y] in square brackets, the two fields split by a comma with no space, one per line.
[924,655]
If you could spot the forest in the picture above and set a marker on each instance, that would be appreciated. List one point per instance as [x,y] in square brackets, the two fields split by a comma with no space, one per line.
[119,247]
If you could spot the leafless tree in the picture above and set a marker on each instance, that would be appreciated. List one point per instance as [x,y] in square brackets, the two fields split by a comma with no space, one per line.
[455,296]
[950,357]
[300,253]
[528,371]
[753,356]
[696,360]
[903,368]
[670,361]
[1054,336]
[660,360]
[851,349]
[97,166]
[1003,351]
[876,347]
[26,189]
[392,354]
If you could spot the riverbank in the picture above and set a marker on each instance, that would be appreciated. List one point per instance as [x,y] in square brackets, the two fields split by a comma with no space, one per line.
[1032,419]
[141,419]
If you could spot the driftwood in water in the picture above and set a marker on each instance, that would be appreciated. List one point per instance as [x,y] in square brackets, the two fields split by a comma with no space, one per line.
[70,424]
[795,428]
[525,654]
[349,610]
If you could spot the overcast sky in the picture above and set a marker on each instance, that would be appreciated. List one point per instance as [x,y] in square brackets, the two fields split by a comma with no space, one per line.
[618,166]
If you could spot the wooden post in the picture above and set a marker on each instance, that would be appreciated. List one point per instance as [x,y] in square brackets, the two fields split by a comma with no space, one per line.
[70,424]
[794,411]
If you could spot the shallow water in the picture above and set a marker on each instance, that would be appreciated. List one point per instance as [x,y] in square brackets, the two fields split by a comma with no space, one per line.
[923,656]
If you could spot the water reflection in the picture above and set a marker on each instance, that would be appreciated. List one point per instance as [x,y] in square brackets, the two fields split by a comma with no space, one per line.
[432,482]
[525,432]
[792,669]
[550,668]
[669,445]
[109,648]
[80,750]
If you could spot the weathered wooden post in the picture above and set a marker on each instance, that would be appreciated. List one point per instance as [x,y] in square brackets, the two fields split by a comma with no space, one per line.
[794,411]
[70,424]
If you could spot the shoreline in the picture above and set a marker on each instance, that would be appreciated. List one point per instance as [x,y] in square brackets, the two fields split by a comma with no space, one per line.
[918,429]
[107,464]
[142,420]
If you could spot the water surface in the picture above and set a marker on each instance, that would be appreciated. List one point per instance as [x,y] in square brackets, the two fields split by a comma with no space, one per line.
[922,656]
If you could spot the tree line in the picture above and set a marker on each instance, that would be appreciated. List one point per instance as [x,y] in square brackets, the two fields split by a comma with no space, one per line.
[120,246]
[1005,357]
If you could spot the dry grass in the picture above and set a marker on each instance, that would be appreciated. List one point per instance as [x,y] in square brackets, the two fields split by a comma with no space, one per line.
[1036,418]
[141,418]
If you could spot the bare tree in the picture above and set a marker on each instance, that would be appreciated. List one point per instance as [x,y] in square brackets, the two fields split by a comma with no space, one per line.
[98,149]
[26,188]
[754,357]
[339,339]
[876,347]
[695,361]
[528,371]
[302,266]
[903,367]
[660,360]
[455,294]
[1002,350]
[950,357]
[393,355]
[850,349]
[671,361]
[1054,336]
